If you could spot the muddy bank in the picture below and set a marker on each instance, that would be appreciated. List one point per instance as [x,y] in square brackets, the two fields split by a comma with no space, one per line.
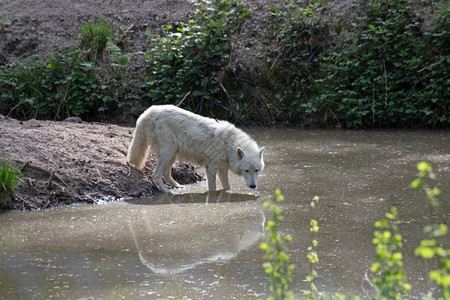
[67,162]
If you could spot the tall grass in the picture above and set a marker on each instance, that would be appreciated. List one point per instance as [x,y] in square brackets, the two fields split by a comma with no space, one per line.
[9,176]
[94,38]
[9,179]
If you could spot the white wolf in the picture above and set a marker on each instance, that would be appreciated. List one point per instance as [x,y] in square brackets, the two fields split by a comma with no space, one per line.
[173,132]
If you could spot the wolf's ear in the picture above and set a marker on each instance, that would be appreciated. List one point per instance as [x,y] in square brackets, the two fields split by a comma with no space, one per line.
[240,153]
[261,151]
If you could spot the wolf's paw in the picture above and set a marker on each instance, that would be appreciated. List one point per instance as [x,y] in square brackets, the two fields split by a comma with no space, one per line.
[164,189]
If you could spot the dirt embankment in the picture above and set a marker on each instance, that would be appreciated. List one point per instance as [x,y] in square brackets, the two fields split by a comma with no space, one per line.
[30,27]
[66,162]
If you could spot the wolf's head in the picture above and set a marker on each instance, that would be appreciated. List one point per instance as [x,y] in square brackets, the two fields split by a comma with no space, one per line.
[251,164]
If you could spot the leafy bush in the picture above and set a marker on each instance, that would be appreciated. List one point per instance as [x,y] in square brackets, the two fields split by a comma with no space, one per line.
[295,65]
[61,87]
[76,83]
[389,72]
[184,62]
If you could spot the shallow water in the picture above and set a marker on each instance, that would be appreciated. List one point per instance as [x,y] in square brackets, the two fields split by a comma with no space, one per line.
[192,245]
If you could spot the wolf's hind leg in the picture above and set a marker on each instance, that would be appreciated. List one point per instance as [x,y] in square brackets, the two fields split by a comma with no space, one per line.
[223,176]
[168,172]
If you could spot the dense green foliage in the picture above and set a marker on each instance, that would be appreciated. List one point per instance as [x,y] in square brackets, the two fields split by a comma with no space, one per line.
[387,69]
[82,83]
[185,63]
[295,64]
[389,72]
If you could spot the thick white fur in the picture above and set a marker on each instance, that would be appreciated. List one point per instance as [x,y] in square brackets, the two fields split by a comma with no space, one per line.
[173,132]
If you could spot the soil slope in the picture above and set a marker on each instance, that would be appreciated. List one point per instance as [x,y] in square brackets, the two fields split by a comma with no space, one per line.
[66,162]
[30,27]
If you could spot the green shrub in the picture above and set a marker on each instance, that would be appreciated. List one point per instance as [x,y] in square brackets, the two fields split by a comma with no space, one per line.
[295,67]
[63,86]
[86,82]
[389,72]
[183,64]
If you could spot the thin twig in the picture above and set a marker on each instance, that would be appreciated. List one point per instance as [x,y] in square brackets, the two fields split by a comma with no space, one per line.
[182,100]
[340,125]
[367,279]
[231,100]
[385,84]
[28,164]
[428,86]
[373,102]
[429,67]
[23,165]
[49,182]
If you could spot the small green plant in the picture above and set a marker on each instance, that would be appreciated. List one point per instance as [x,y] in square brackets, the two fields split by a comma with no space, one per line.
[3,21]
[432,248]
[312,256]
[391,282]
[276,266]
[9,176]
[422,182]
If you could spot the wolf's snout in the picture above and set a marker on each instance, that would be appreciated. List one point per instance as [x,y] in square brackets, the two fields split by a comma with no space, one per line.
[252,186]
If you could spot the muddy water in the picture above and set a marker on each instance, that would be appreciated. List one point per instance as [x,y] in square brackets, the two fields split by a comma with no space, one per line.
[194,245]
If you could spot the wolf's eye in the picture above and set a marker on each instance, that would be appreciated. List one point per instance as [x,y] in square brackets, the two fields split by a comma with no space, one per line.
[246,171]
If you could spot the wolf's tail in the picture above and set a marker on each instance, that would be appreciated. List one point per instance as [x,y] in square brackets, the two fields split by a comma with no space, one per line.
[138,150]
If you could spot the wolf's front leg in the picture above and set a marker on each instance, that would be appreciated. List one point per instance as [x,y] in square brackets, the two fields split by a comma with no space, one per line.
[166,157]
[223,176]
[211,177]
[168,176]
[158,180]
